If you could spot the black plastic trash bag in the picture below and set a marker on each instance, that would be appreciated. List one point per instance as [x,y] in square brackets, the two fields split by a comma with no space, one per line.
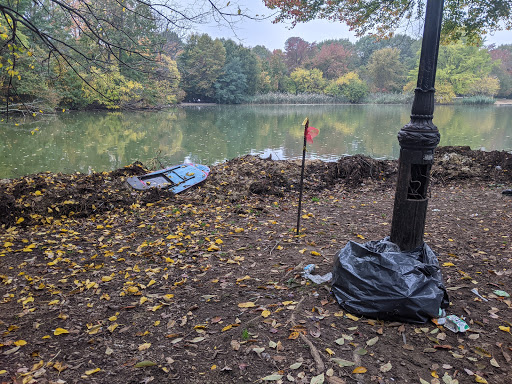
[377,280]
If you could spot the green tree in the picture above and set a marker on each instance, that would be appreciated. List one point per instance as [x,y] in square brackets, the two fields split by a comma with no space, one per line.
[89,37]
[231,86]
[200,64]
[462,65]
[248,61]
[408,47]
[386,71]
[278,72]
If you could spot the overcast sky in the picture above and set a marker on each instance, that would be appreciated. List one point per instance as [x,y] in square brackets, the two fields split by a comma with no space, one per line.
[273,36]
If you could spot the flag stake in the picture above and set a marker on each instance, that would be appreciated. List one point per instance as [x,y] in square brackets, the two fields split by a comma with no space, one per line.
[306,125]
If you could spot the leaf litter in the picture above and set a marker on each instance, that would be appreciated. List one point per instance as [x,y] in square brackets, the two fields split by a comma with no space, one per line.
[110,285]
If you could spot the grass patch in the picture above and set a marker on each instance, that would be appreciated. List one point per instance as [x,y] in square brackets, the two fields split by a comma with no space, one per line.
[390,98]
[476,100]
[288,98]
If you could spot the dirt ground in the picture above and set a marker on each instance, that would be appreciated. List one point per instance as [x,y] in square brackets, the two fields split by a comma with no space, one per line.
[102,284]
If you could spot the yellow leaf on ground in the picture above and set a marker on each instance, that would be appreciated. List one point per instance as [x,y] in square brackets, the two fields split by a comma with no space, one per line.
[60,331]
[315,253]
[20,343]
[144,346]
[248,304]
[480,379]
[504,329]
[329,351]
[359,370]
[92,371]
[351,317]
[266,313]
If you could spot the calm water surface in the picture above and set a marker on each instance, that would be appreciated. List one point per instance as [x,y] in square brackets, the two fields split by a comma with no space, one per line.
[103,141]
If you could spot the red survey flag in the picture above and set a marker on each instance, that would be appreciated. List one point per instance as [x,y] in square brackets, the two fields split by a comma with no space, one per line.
[310,133]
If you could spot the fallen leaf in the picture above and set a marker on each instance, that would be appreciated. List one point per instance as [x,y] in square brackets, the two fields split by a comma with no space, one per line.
[386,367]
[317,379]
[145,363]
[265,313]
[60,331]
[480,379]
[372,341]
[144,346]
[482,352]
[60,366]
[329,351]
[343,363]
[272,378]
[248,304]
[359,370]
[351,317]
[235,345]
[295,366]
[92,371]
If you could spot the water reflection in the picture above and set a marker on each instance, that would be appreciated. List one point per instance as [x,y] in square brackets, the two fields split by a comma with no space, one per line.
[101,141]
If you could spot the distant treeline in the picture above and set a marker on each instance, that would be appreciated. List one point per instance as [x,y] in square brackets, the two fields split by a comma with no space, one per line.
[200,68]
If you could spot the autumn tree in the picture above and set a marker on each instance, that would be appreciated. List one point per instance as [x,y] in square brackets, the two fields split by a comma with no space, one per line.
[334,60]
[471,18]
[297,51]
[348,86]
[308,81]
[502,70]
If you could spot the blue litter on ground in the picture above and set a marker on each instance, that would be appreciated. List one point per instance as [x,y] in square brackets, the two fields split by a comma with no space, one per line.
[175,179]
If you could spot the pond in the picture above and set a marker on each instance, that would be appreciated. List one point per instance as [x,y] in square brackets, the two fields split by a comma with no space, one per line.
[103,141]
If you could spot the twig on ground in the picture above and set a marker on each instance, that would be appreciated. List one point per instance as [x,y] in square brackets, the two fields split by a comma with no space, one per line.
[320,366]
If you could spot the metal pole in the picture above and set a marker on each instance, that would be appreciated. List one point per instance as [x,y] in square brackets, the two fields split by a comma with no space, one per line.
[418,140]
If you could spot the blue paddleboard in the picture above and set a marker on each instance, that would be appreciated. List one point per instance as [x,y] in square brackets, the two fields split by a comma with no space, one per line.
[175,179]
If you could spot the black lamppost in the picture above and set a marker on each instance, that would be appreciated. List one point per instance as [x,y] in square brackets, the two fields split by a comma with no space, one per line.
[418,140]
